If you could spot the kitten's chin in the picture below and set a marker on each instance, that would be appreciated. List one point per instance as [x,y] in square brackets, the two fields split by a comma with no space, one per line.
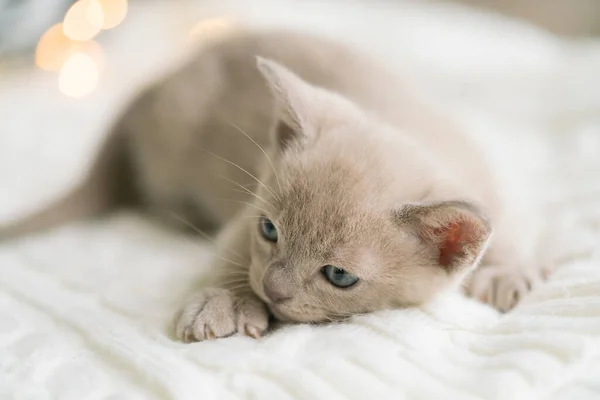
[279,314]
[282,315]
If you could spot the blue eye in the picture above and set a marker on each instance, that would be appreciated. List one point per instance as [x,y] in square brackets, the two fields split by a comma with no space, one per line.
[268,230]
[338,277]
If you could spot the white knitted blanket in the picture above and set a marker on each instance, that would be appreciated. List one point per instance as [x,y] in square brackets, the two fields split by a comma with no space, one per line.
[85,310]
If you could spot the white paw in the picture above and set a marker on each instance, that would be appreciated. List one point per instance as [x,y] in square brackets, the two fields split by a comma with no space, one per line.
[217,313]
[503,287]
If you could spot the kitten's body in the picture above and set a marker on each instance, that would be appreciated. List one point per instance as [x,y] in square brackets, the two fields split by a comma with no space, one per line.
[193,147]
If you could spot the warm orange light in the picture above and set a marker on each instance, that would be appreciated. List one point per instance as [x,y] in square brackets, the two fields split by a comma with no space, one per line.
[69,47]
[92,49]
[78,76]
[114,12]
[53,49]
[211,29]
[84,20]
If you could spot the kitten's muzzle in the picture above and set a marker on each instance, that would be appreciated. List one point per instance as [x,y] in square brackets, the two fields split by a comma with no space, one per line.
[274,296]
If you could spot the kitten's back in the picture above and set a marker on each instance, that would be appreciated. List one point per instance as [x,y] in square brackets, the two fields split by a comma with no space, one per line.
[183,141]
[220,93]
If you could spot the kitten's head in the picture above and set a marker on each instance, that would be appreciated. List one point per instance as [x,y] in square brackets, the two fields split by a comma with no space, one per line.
[346,222]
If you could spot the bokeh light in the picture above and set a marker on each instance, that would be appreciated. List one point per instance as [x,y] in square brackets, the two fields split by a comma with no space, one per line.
[92,49]
[68,47]
[211,29]
[78,76]
[53,49]
[84,20]
[114,12]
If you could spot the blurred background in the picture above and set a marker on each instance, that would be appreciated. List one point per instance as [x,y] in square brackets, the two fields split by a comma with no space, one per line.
[67,67]
[67,36]
[574,18]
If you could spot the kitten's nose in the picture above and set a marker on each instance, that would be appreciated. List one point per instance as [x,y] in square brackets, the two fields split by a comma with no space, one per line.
[274,295]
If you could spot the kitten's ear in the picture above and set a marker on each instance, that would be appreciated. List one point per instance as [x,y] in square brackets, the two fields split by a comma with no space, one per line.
[295,103]
[455,233]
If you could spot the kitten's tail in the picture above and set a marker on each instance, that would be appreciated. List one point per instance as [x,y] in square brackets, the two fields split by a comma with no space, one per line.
[109,183]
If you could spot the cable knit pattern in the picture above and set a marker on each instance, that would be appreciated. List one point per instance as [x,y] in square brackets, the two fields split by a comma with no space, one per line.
[86,310]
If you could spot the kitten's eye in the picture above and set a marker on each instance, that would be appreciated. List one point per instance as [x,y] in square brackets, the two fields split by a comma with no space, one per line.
[338,277]
[268,230]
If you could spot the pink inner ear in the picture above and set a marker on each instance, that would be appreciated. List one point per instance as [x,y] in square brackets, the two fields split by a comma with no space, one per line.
[454,232]
[455,240]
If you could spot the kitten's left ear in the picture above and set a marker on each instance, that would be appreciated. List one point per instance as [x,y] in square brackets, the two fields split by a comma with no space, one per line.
[295,99]
[299,104]
[455,234]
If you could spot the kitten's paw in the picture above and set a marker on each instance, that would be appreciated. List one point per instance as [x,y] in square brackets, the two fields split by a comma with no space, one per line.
[502,287]
[217,313]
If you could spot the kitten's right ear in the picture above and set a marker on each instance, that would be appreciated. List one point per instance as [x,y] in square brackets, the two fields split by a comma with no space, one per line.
[295,103]
[454,233]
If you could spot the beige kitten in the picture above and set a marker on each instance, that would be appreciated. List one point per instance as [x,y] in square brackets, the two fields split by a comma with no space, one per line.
[338,190]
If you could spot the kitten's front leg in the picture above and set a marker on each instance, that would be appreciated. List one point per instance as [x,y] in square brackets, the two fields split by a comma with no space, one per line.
[218,312]
[503,286]
[229,306]
[510,269]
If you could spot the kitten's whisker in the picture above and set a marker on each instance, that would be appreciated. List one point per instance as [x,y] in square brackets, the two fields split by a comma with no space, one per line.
[190,225]
[239,289]
[208,238]
[263,151]
[255,195]
[252,217]
[233,284]
[244,202]
[231,275]
[237,276]
[232,272]
[243,170]
[227,260]
[245,189]
[240,270]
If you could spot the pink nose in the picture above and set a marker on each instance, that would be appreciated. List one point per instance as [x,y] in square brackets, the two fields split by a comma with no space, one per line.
[274,295]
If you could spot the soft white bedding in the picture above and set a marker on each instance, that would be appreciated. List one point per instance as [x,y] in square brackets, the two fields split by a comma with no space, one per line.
[85,310]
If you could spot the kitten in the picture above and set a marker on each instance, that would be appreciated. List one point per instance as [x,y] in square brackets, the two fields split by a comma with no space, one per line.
[337,189]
